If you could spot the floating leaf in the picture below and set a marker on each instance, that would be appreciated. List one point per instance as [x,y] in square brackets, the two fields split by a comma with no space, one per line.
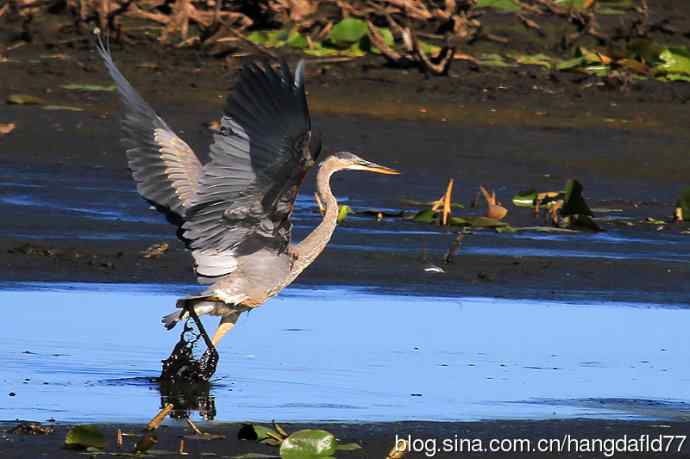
[674,61]
[494,60]
[388,39]
[526,198]
[477,222]
[348,447]
[309,444]
[24,99]
[296,40]
[85,436]
[89,87]
[533,59]
[348,31]
[259,433]
[582,221]
[426,216]
[573,202]
[343,211]
[501,5]
[67,108]
[321,51]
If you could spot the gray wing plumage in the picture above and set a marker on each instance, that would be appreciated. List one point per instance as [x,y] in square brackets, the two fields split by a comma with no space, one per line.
[258,161]
[164,167]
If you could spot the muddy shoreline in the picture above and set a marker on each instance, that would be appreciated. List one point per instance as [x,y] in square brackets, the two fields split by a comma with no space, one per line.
[376,440]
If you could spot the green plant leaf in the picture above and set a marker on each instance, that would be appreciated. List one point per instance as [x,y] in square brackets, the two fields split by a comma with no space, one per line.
[66,108]
[388,39]
[501,5]
[426,216]
[428,48]
[674,61]
[343,211]
[570,64]
[477,222]
[573,202]
[525,198]
[348,31]
[259,433]
[321,51]
[494,60]
[533,59]
[309,444]
[582,221]
[348,447]
[24,99]
[89,87]
[296,40]
[85,436]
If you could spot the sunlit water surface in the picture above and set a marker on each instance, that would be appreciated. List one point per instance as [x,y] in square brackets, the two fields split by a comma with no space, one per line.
[77,352]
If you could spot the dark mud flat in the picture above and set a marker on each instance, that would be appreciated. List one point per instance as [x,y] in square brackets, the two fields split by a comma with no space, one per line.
[70,213]
[376,440]
[67,191]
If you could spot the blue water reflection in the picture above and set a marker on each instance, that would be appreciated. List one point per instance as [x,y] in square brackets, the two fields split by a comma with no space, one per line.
[79,352]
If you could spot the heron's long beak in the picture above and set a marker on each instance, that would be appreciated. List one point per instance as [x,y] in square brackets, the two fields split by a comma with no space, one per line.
[373,167]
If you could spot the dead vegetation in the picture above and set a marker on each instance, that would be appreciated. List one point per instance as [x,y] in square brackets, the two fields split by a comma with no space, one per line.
[427,34]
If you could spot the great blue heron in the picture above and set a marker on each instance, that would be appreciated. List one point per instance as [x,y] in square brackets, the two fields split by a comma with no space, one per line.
[234,212]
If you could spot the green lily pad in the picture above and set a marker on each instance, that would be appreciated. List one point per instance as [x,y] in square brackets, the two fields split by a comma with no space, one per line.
[85,436]
[259,433]
[674,61]
[348,31]
[309,444]
[24,99]
[388,39]
[573,202]
[525,198]
[426,216]
[89,87]
[296,40]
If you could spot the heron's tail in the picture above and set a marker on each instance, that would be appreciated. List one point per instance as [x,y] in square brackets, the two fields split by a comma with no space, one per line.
[202,305]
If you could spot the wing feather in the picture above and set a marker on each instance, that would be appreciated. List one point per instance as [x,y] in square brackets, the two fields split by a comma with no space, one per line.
[258,161]
[164,167]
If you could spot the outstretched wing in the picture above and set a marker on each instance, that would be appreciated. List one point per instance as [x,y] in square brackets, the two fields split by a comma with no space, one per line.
[258,161]
[164,168]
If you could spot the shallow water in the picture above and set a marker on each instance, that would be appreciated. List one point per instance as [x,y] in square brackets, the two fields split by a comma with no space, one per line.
[347,354]
[97,206]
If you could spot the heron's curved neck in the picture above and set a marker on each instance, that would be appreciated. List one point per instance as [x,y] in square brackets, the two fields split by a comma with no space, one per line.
[312,245]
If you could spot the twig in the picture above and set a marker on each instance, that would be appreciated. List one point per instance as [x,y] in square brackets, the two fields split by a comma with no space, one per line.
[193,427]
[157,420]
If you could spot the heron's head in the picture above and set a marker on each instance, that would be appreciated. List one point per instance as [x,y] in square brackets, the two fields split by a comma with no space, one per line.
[345,160]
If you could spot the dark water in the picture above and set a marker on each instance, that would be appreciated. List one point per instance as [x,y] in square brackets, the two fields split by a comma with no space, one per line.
[82,352]
[97,206]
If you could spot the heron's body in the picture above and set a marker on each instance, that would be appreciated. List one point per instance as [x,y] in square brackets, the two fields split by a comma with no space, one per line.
[234,212]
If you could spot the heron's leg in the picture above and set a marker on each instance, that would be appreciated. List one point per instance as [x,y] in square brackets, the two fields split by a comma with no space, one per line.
[226,324]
